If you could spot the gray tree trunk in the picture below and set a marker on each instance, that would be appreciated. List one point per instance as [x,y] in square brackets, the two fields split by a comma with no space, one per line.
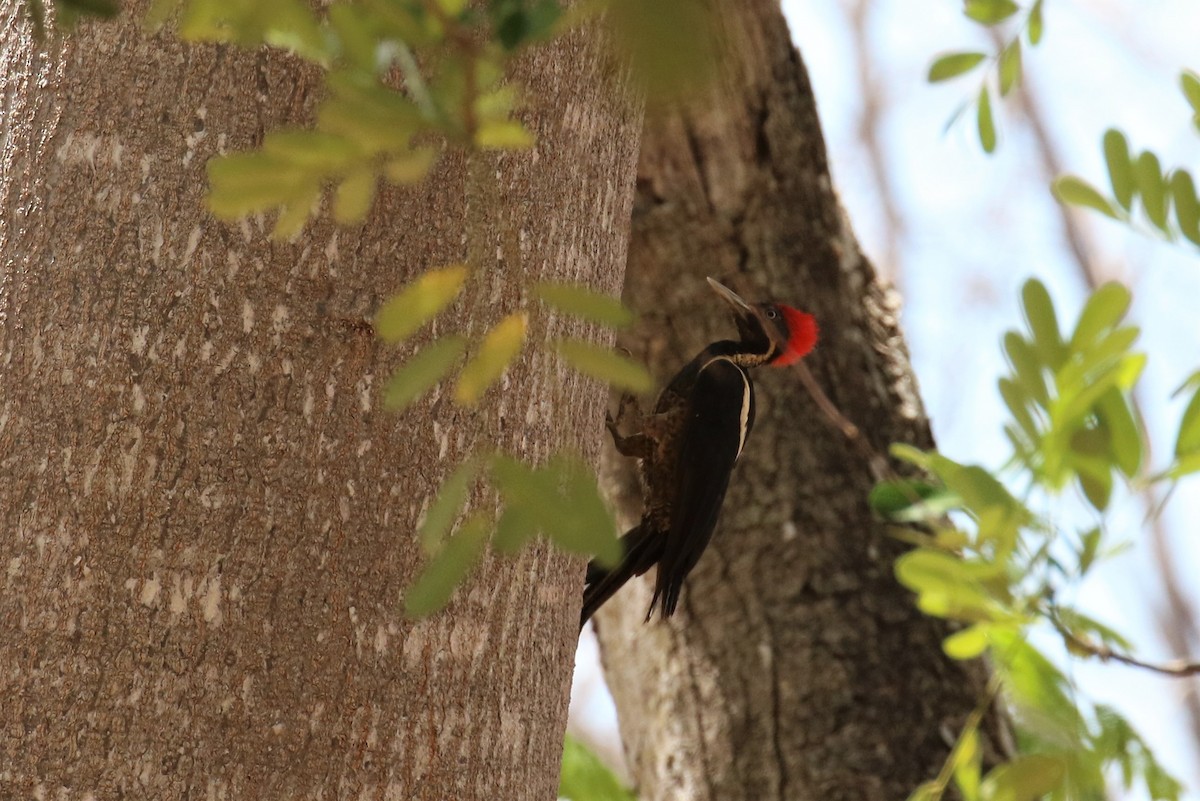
[208,519]
[797,667]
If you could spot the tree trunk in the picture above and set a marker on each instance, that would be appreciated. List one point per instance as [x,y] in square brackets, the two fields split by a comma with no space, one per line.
[797,668]
[208,518]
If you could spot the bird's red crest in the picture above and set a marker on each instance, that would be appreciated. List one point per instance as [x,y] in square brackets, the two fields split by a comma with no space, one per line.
[802,330]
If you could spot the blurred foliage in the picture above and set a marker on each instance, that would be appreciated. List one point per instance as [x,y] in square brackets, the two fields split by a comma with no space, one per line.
[451,58]
[559,500]
[986,559]
[1166,198]
[1160,202]
[999,72]
[585,778]
[499,498]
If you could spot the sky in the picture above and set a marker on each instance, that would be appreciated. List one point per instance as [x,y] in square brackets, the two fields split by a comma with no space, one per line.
[972,228]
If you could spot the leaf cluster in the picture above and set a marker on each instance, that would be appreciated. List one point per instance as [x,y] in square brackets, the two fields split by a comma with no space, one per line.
[987,560]
[1000,72]
[560,499]
[403,79]
[1166,198]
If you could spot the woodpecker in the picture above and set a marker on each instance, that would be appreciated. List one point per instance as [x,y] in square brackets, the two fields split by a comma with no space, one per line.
[688,446]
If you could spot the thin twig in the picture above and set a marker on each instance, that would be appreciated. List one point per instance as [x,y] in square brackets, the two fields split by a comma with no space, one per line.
[880,470]
[1175,668]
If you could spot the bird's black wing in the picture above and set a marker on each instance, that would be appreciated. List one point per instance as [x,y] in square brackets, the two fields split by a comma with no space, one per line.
[720,414]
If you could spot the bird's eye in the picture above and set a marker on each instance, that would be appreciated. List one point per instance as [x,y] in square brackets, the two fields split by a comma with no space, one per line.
[771,314]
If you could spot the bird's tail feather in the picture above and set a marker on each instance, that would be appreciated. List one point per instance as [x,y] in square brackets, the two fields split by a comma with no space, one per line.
[601,583]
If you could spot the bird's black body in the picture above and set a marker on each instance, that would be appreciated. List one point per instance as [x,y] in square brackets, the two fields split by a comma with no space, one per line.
[688,447]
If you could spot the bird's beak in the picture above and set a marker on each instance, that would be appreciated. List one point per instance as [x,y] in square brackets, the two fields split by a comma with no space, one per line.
[740,306]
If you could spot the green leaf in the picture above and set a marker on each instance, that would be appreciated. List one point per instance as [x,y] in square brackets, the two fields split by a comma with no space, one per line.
[585,778]
[952,65]
[311,150]
[295,214]
[968,643]
[1043,322]
[990,12]
[1187,207]
[978,488]
[353,26]
[373,117]
[1010,67]
[586,304]
[246,183]
[420,373]
[443,574]
[1089,547]
[503,135]
[560,500]
[1086,627]
[496,105]
[452,8]
[1184,466]
[1153,189]
[1018,406]
[1189,82]
[1187,441]
[499,348]
[411,167]
[669,45]
[986,125]
[605,365]
[1026,778]
[354,196]
[1106,307]
[1120,167]
[444,509]
[944,585]
[927,791]
[968,758]
[1075,191]
[1027,367]
[291,25]
[1083,382]
[1037,689]
[593,530]
[910,454]
[1097,488]
[1124,437]
[1035,25]
[419,302]
[892,498]
[517,525]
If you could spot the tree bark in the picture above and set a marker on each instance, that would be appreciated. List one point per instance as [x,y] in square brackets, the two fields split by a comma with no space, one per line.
[208,518]
[797,668]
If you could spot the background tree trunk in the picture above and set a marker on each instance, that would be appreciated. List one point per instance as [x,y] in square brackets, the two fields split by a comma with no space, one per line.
[798,667]
[208,519]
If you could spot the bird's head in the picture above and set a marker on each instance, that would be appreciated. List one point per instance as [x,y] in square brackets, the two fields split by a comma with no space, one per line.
[779,334]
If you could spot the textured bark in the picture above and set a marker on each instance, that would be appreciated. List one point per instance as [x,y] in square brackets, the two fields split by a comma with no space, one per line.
[207,517]
[798,668]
